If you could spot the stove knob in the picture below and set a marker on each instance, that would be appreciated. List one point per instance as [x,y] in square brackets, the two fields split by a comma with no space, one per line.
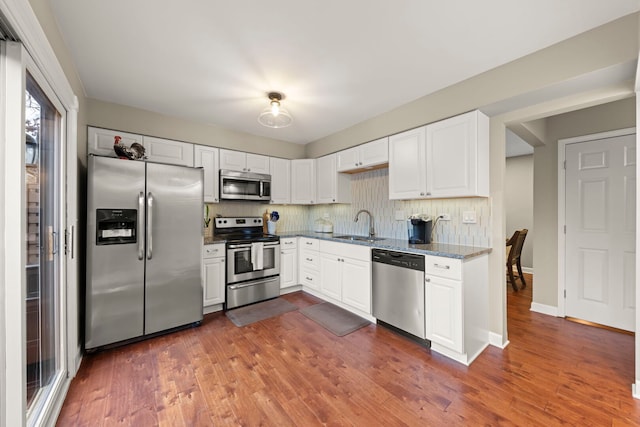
[225,221]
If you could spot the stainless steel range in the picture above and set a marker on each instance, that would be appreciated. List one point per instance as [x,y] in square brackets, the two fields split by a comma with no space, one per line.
[253,260]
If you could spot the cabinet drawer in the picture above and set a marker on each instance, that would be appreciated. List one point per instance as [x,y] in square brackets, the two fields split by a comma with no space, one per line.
[310,278]
[289,243]
[213,251]
[449,268]
[346,250]
[310,259]
[312,244]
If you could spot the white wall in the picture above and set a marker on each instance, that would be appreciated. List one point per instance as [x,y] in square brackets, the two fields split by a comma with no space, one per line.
[518,195]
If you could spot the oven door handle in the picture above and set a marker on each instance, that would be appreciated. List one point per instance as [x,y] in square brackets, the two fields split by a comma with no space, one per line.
[245,246]
[253,283]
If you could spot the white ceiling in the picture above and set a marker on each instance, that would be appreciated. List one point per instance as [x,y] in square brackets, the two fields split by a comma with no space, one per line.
[337,62]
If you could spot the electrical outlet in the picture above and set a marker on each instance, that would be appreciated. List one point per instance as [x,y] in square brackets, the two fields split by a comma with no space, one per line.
[469,217]
[400,215]
[445,217]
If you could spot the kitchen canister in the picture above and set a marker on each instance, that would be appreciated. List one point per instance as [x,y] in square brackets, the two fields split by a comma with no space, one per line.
[271,227]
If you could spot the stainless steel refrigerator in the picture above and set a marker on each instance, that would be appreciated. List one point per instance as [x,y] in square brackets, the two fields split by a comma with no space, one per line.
[144,249]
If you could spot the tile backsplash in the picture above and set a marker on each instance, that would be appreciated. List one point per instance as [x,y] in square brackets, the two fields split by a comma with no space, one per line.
[370,190]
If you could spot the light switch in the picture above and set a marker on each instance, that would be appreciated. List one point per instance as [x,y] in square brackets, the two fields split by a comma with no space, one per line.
[401,215]
[469,217]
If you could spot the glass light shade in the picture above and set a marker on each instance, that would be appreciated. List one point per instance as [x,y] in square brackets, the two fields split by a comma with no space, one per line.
[278,119]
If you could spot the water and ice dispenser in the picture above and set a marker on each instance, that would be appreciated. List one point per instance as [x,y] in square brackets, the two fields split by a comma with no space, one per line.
[116,226]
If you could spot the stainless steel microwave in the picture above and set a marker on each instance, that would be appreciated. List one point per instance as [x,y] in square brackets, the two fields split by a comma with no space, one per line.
[236,185]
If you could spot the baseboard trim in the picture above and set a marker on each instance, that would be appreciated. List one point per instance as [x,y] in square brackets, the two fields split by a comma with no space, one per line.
[549,310]
[497,340]
[635,389]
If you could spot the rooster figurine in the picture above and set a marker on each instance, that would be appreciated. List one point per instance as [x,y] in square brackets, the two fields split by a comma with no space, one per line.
[135,152]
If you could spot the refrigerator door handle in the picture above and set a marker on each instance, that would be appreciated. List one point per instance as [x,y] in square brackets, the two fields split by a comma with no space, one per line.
[149,225]
[140,221]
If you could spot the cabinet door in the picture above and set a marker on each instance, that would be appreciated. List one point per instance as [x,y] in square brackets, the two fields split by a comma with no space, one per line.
[207,158]
[356,284]
[168,151]
[374,153]
[280,180]
[326,179]
[100,141]
[288,268]
[331,276]
[233,160]
[452,156]
[257,163]
[303,181]
[347,160]
[407,169]
[213,276]
[443,312]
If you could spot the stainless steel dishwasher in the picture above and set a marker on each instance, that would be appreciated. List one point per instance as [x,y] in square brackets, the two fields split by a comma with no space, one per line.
[398,290]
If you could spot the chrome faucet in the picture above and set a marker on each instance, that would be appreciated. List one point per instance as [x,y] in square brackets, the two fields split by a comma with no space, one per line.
[372,231]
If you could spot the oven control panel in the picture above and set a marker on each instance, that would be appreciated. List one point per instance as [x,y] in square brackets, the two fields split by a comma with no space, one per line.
[238,222]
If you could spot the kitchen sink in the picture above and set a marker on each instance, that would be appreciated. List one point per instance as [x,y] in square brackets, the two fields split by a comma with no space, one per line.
[359,238]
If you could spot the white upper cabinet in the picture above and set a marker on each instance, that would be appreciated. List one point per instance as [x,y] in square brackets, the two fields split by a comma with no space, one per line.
[458,156]
[303,181]
[366,156]
[449,158]
[280,180]
[407,165]
[168,151]
[208,159]
[243,162]
[100,141]
[332,187]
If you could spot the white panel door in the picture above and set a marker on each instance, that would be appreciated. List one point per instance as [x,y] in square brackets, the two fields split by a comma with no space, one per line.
[207,158]
[280,180]
[258,164]
[331,276]
[600,241]
[303,181]
[214,281]
[451,157]
[100,141]
[356,284]
[168,151]
[407,165]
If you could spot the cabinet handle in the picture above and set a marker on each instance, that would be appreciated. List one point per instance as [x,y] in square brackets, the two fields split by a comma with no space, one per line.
[356,163]
[309,243]
[288,243]
[248,169]
[427,279]
[309,279]
[422,194]
[309,259]
[446,267]
[428,193]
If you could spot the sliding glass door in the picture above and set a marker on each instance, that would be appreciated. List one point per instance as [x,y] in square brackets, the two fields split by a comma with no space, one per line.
[43,147]
[32,168]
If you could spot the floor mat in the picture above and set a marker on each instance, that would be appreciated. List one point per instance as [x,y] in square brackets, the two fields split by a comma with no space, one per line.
[333,318]
[260,311]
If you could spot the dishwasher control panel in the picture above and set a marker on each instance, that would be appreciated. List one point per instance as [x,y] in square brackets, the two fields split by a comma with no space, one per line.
[398,259]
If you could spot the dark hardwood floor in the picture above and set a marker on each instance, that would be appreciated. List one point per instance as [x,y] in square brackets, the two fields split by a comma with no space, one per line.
[289,371]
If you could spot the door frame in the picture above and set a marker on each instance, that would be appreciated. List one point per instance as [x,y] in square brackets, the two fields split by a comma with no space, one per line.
[20,18]
[562,144]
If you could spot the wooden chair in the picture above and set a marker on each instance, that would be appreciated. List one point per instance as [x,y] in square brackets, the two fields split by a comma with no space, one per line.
[513,258]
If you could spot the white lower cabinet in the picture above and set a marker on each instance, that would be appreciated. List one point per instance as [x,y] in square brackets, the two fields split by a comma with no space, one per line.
[213,274]
[288,262]
[457,306]
[309,263]
[444,313]
[346,274]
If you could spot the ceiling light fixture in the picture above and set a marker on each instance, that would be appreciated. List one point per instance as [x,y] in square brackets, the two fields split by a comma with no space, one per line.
[275,116]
